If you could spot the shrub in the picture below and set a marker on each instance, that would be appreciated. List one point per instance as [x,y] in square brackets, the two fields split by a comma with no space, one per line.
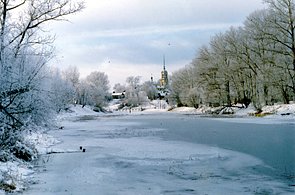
[13,145]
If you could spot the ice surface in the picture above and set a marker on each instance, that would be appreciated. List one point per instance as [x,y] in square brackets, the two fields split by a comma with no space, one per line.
[263,120]
[124,157]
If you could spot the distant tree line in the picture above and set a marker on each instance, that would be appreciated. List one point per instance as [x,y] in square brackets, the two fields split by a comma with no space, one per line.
[69,89]
[136,94]
[254,63]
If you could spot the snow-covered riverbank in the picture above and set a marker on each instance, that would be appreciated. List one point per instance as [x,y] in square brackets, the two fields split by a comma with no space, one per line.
[275,111]
[18,175]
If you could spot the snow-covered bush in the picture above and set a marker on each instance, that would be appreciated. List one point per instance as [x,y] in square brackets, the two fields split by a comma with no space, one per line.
[6,183]
[13,145]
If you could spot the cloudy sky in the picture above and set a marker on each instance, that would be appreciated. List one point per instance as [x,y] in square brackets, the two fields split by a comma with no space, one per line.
[129,37]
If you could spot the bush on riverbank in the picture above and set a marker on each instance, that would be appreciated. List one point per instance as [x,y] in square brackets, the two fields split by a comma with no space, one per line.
[13,146]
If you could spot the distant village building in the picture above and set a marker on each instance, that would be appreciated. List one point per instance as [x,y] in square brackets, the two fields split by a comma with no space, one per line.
[116,96]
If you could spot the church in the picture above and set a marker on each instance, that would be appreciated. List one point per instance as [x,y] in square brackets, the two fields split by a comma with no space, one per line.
[164,75]
[163,86]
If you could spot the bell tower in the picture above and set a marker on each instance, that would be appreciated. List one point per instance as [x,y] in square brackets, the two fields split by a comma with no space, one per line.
[164,74]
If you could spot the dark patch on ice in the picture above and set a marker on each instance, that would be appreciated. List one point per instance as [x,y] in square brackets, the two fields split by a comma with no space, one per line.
[259,191]
[123,164]
[86,118]
[129,133]
[181,191]
[196,176]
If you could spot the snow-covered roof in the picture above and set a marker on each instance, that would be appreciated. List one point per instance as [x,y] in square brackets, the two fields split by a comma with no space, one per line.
[118,94]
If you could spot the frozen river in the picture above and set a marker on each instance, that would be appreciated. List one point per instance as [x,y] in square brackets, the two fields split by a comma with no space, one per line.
[271,141]
[168,154]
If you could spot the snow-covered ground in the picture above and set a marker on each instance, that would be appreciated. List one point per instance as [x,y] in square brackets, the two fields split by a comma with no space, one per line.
[19,174]
[275,111]
[276,114]
[123,158]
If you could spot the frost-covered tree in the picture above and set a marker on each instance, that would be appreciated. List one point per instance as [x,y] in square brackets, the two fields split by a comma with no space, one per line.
[72,75]
[25,50]
[150,89]
[83,93]
[62,91]
[279,31]
[119,88]
[254,63]
[132,91]
[182,85]
[97,89]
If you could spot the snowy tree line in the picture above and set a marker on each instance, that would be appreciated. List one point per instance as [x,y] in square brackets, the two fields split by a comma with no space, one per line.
[94,90]
[70,89]
[254,63]
[136,93]
[27,89]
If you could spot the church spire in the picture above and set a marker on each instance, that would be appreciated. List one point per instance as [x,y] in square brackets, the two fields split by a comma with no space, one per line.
[164,74]
[164,62]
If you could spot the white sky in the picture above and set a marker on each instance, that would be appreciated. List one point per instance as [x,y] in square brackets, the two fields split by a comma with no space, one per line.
[129,37]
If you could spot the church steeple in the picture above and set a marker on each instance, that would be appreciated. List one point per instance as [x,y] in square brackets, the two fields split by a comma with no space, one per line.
[164,74]
[164,63]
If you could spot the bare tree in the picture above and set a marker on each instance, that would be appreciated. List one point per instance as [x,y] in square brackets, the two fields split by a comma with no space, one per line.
[280,31]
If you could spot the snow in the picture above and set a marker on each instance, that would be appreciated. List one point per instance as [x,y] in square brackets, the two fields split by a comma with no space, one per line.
[77,111]
[276,114]
[42,141]
[277,111]
[114,105]
[19,174]
[245,111]
[155,106]
[137,160]
[15,173]
[185,110]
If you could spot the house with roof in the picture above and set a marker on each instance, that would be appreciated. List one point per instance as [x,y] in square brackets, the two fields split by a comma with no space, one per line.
[117,96]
